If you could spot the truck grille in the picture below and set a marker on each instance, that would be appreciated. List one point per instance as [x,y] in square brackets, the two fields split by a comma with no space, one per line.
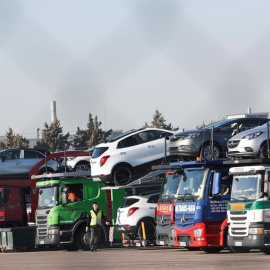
[184,238]
[163,237]
[237,228]
[42,222]
[163,220]
[42,231]
[184,219]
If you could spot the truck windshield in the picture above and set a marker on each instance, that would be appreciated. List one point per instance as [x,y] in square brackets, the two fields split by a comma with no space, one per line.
[48,197]
[170,187]
[246,187]
[192,184]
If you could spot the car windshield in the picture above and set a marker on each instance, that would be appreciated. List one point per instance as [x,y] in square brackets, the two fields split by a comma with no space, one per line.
[193,183]
[48,197]
[246,187]
[217,124]
[170,186]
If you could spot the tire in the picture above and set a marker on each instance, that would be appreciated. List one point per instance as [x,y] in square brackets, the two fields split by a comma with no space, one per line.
[206,153]
[82,167]
[122,175]
[263,151]
[150,230]
[212,249]
[43,170]
[81,239]
[238,249]
[265,250]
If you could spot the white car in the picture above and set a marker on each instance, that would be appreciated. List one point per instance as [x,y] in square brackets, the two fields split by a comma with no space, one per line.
[249,143]
[120,159]
[133,211]
[76,163]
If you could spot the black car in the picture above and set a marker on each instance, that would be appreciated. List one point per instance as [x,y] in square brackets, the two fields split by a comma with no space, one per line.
[190,144]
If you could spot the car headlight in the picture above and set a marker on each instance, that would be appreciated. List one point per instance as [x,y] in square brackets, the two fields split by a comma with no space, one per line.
[185,137]
[252,136]
[255,230]
[197,232]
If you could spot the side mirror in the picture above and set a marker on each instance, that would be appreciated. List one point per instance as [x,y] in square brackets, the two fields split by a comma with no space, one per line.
[64,196]
[235,131]
[216,188]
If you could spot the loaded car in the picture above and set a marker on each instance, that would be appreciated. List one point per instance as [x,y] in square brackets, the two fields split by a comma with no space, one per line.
[18,162]
[76,163]
[122,158]
[190,144]
[133,211]
[250,143]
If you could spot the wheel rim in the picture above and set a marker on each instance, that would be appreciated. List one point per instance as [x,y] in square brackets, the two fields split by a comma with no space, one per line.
[150,231]
[123,176]
[207,153]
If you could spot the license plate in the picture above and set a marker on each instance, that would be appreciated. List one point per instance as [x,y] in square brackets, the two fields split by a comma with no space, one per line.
[238,244]
[182,244]
[42,242]
[161,242]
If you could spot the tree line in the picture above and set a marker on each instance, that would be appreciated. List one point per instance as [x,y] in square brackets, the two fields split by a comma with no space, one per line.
[53,139]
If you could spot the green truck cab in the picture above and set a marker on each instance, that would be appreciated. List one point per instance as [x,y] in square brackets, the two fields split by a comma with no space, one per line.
[61,221]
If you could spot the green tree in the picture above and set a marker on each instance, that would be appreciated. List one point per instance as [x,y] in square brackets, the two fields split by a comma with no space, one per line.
[13,140]
[52,138]
[159,122]
[91,136]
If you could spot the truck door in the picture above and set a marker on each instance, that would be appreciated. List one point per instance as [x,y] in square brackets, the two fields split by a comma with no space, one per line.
[216,206]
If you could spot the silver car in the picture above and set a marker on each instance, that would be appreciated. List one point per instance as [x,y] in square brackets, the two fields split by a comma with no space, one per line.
[18,162]
[249,143]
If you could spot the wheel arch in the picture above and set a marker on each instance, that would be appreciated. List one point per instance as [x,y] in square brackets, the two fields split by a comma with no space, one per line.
[122,164]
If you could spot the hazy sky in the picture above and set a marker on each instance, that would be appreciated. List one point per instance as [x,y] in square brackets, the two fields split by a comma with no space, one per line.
[194,61]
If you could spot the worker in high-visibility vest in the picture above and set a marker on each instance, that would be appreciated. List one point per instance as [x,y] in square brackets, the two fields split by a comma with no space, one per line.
[95,219]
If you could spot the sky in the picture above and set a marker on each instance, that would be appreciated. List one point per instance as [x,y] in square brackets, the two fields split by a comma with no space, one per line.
[193,61]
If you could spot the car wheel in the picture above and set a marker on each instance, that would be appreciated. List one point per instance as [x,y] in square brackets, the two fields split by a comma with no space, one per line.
[82,167]
[206,152]
[150,230]
[263,151]
[122,176]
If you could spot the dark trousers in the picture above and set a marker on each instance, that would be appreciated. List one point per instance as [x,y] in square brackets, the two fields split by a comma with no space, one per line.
[95,233]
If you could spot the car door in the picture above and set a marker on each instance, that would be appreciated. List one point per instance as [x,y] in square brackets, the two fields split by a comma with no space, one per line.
[154,141]
[30,159]
[11,162]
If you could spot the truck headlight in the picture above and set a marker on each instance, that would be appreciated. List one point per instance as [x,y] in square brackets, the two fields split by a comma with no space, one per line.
[255,230]
[197,232]
[53,231]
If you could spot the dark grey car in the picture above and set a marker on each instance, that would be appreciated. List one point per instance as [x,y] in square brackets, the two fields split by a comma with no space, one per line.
[190,144]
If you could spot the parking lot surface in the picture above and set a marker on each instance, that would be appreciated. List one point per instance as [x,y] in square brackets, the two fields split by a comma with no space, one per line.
[132,258]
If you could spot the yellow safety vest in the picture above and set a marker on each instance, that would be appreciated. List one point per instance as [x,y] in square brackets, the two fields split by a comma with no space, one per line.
[95,219]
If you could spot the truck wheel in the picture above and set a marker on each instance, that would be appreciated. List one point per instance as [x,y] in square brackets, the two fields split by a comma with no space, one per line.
[265,250]
[212,249]
[238,249]
[150,230]
[82,167]
[82,239]
[206,153]
[122,175]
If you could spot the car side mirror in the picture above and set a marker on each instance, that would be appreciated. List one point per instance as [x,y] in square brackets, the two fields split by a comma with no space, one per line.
[235,131]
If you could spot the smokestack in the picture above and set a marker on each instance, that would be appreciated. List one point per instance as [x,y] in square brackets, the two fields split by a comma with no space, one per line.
[249,110]
[37,133]
[53,111]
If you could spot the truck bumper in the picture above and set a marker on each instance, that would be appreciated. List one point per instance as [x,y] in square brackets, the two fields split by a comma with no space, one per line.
[165,235]
[48,236]
[192,237]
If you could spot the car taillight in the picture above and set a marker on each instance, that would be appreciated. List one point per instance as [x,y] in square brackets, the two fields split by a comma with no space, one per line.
[132,210]
[103,160]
